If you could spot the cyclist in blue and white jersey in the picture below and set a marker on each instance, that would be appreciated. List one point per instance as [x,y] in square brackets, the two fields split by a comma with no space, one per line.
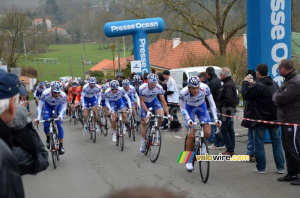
[148,92]
[102,103]
[91,96]
[136,82]
[47,84]
[192,103]
[113,99]
[53,99]
[132,94]
[38,92]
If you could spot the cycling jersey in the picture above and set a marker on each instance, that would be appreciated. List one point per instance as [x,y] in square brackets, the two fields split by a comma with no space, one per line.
[91,95]
[150,95]
[78,94]
[38,91]
[112,99]
[71,94]
[48,99]
[132,94]
[195,105]
[58,104]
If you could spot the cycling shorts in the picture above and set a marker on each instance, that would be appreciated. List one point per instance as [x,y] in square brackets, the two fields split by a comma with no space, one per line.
[155,104]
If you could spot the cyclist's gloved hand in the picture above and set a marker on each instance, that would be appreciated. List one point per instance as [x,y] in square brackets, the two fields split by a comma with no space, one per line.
[60,118]
[170,117]
[111,111]
[129,110]
[190,123]
[218,123]
[149,114]
[36,121]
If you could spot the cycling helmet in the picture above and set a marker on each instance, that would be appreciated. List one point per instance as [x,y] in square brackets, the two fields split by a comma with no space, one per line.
[114,84]
[41,83]
[104,86]
[152,78]
[125,83]
[74,84]
[92,80]
[136,78]
[56,86]
[47,85]
[79,80]
[193,81]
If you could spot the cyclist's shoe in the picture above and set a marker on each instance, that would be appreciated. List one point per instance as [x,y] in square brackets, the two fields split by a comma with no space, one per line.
[97,128]
[114,137]
[189,166]
[143,148]
[48,143]
[85,128]
[61,150]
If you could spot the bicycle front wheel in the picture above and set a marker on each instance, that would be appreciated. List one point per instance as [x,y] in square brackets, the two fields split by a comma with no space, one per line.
[121,138]
[204,166]
[53,150]
[93,131]
[155,144]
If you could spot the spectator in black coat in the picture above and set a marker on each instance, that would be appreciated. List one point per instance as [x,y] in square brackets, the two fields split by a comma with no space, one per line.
[228,101]
[259,96]
[10,179]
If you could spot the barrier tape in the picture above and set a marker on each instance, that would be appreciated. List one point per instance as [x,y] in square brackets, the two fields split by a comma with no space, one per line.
[261,121]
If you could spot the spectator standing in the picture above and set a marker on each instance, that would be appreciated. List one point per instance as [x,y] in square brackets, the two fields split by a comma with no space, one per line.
[227,104]
[163,83]
[172,100]
[247,124]
[259,95]
[203,78]
[287,99]
[10,179]
[216,140]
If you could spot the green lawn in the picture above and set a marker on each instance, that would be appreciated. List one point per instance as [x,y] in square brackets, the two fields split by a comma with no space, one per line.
[63,53]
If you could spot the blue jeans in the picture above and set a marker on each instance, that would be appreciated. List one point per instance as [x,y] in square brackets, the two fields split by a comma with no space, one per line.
[228,133]
[211,138]
[250,144]
[259,140]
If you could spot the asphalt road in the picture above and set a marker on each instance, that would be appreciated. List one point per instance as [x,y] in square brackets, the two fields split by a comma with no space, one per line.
[90,169]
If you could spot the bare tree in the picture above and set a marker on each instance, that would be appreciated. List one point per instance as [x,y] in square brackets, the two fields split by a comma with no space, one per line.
[14,24]
[199,19]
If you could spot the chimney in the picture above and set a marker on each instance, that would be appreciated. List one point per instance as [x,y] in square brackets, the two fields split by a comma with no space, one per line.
[176,42]
[245,40]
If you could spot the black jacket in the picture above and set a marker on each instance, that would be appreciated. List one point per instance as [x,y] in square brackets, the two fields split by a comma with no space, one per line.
[228,99]
[214,86]
[11,185]
[259,99]
[287,99]
[29,150]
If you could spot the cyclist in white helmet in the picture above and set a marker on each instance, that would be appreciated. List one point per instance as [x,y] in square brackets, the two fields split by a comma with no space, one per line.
[114,102]
[53,99]
[148,92]
[192,103]
[91,96]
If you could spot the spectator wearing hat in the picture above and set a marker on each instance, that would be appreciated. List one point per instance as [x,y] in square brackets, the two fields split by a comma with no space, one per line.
[287,100]
[10,179]
[172,100]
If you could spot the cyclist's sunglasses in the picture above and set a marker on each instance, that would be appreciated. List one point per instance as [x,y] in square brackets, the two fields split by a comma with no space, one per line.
[114,89]
[56,92]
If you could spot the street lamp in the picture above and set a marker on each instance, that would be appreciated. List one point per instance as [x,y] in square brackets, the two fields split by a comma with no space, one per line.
[112,47]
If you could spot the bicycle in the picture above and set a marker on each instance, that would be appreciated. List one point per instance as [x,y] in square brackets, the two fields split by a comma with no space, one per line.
[138,121]
[80,115]
[153,137]
[102,122]
[91,124]
[69,110]
[120,128]
[54,142]
[131,127]
[200,147]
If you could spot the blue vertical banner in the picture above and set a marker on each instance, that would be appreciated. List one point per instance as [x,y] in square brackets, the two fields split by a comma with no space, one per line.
[139,30]
[268,34]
